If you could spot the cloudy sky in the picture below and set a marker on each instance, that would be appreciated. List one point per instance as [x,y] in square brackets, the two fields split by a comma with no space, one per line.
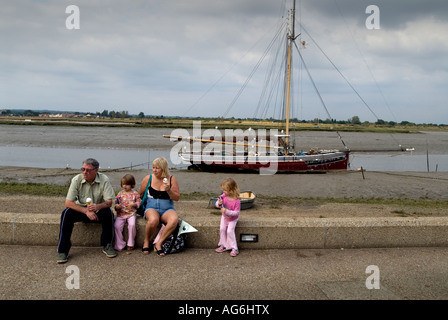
[191,58]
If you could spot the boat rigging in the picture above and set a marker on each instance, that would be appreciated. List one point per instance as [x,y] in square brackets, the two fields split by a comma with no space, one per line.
[270,153]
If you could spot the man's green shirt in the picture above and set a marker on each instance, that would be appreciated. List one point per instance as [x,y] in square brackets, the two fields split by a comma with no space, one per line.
[99,191]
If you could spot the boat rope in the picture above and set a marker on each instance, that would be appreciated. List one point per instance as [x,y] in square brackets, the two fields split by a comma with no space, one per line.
[365,61]
[317,91]
[272,85]
[240,91]
[225,74]
[346,80]
[341,74]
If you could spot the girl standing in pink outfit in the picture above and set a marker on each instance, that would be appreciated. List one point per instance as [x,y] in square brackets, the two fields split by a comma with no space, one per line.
[126,206]
[230,205]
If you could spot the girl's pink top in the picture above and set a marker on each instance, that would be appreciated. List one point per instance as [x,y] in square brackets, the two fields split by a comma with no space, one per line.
[233,207]
[125,199]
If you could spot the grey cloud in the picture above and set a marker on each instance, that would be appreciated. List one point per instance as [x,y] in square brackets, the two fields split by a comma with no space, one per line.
[161,56]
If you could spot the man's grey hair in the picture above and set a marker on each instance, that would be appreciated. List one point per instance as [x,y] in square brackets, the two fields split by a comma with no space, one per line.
[95,164]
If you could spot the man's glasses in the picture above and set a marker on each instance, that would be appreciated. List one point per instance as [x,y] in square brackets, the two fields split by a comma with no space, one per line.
[87,170]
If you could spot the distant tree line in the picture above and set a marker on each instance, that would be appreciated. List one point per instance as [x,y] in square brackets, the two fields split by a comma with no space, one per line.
[355,120]
[119,114]
[25,113]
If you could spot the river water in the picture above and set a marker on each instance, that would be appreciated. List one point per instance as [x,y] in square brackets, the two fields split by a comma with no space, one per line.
[60,147]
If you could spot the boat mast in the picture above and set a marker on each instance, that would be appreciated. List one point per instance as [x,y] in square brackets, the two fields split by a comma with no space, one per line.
[291,37]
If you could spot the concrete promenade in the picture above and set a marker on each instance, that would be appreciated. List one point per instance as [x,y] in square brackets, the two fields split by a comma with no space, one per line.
[294,259]
[253,277]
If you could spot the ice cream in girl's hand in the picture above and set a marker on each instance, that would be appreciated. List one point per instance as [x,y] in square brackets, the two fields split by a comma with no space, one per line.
[165,180]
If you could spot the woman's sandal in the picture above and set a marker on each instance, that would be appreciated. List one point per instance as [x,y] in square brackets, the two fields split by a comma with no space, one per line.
[160,252]
[146,250]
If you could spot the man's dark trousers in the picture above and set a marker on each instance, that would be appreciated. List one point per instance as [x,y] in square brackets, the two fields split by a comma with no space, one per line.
[70,216]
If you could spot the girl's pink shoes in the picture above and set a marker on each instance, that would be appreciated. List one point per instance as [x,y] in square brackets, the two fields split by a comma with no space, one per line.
[220,249]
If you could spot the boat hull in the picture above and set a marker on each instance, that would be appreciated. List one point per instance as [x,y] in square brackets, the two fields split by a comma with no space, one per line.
[320,162]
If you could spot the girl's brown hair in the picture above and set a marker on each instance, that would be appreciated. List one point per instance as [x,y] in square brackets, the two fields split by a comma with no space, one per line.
[128,179]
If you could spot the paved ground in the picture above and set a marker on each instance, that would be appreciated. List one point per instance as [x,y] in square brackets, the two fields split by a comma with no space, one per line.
[197,274]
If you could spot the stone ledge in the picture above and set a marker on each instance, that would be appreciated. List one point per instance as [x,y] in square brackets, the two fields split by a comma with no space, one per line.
[273,233]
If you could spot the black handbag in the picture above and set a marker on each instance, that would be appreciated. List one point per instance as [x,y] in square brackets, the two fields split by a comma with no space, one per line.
[141,210]
[174,243]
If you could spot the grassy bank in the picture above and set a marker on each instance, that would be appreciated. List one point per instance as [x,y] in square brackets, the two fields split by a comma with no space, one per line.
[47,190]
[35,189]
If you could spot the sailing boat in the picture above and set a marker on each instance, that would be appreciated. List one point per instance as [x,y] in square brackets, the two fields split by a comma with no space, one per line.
[260,152]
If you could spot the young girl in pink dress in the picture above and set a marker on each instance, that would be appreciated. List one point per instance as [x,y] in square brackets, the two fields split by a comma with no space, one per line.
[126,206]
[230,205]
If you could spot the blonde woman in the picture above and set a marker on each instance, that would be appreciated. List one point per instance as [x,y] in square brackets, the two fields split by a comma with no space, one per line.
[163,189]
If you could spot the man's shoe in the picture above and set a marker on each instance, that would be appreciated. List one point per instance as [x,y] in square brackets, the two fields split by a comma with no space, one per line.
[109,251]
[62,257]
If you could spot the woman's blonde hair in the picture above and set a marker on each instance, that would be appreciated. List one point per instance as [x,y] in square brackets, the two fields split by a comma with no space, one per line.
[162,164]
[231,187]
